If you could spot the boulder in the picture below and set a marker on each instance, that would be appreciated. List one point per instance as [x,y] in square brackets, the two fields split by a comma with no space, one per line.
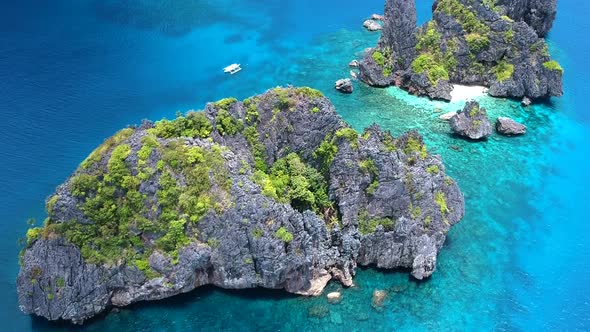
[372,25]
[509,127]
[334,297]
[377,17]
[344,85]
[472,122]
[526,101]
[353,64]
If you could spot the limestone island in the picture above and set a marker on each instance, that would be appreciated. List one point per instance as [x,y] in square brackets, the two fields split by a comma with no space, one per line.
[275,191]
[497,44]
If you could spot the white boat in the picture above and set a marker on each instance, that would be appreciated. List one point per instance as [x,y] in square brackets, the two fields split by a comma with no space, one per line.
[232,69]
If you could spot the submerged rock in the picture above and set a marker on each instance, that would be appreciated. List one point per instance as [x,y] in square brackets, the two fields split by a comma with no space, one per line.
[379,297]
[496,44]
[344,85]
[275,191]
[334,297]
[472,122]
[507,126]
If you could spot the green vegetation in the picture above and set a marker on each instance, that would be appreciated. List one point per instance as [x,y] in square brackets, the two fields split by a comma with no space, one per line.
[441,201]
[415,211]
[292,181]
[60,282]
[509,36]
[477,42]
[503,71]
[427,221]
[350,135]
[116,211]
[257,148]
[372,188]
[309,93]
[33,234]
[284,235]
[433,169]
[379,58]
[413,145]
[225,103]
[194,124]
[314,110]
[227,124]
[429,39]
[368,225]
[325,153]
[474,110]
[464,16]
[426,63]
[257,233]
[97,155]
[553,65]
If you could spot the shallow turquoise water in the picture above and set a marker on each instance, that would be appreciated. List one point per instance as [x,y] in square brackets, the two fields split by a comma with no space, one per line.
[74,72]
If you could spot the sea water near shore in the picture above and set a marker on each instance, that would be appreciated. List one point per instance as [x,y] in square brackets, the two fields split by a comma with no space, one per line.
[73,72]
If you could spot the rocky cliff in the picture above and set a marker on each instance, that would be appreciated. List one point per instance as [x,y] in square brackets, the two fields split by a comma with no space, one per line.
[275,191]
[497,44]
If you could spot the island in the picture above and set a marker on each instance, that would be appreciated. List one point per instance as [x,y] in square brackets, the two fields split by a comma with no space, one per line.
[275,191]
[493,43]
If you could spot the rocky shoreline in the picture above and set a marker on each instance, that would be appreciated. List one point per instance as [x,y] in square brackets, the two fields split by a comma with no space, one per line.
[496,44]
[275,191]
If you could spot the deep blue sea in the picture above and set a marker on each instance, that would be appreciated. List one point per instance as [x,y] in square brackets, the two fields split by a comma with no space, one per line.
[72,72]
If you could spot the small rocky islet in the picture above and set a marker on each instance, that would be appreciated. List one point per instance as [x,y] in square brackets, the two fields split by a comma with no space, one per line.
[498,44]
[274,191]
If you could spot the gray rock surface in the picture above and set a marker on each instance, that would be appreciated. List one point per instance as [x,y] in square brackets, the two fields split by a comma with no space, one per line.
[392,202]
[509,127]
[538,14]
[472,122]
[503,51]
[372,25]
[344,85]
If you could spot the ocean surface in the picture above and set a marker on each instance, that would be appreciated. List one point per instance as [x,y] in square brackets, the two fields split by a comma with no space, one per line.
[74,72]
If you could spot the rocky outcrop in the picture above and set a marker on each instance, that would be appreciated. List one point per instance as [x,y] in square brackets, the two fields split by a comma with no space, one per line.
[509,127]
[372,25]
[275,191]
[344,85]
[466,42]
[472,122]
[538,14]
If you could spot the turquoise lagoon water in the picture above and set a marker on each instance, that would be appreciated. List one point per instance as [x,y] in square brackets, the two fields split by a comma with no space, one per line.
[73,72]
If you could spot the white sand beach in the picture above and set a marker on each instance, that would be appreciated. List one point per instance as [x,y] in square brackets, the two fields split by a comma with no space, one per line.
[465,92]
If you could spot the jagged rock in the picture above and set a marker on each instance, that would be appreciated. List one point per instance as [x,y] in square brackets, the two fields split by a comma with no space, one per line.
[344,85]
[507,126]
[377,17]
[353,64]
[472,122]
[353,75]
[447,116]
[502,53]
[372,25]
[334,297]
[191,203]
[538,14]
[526,102]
